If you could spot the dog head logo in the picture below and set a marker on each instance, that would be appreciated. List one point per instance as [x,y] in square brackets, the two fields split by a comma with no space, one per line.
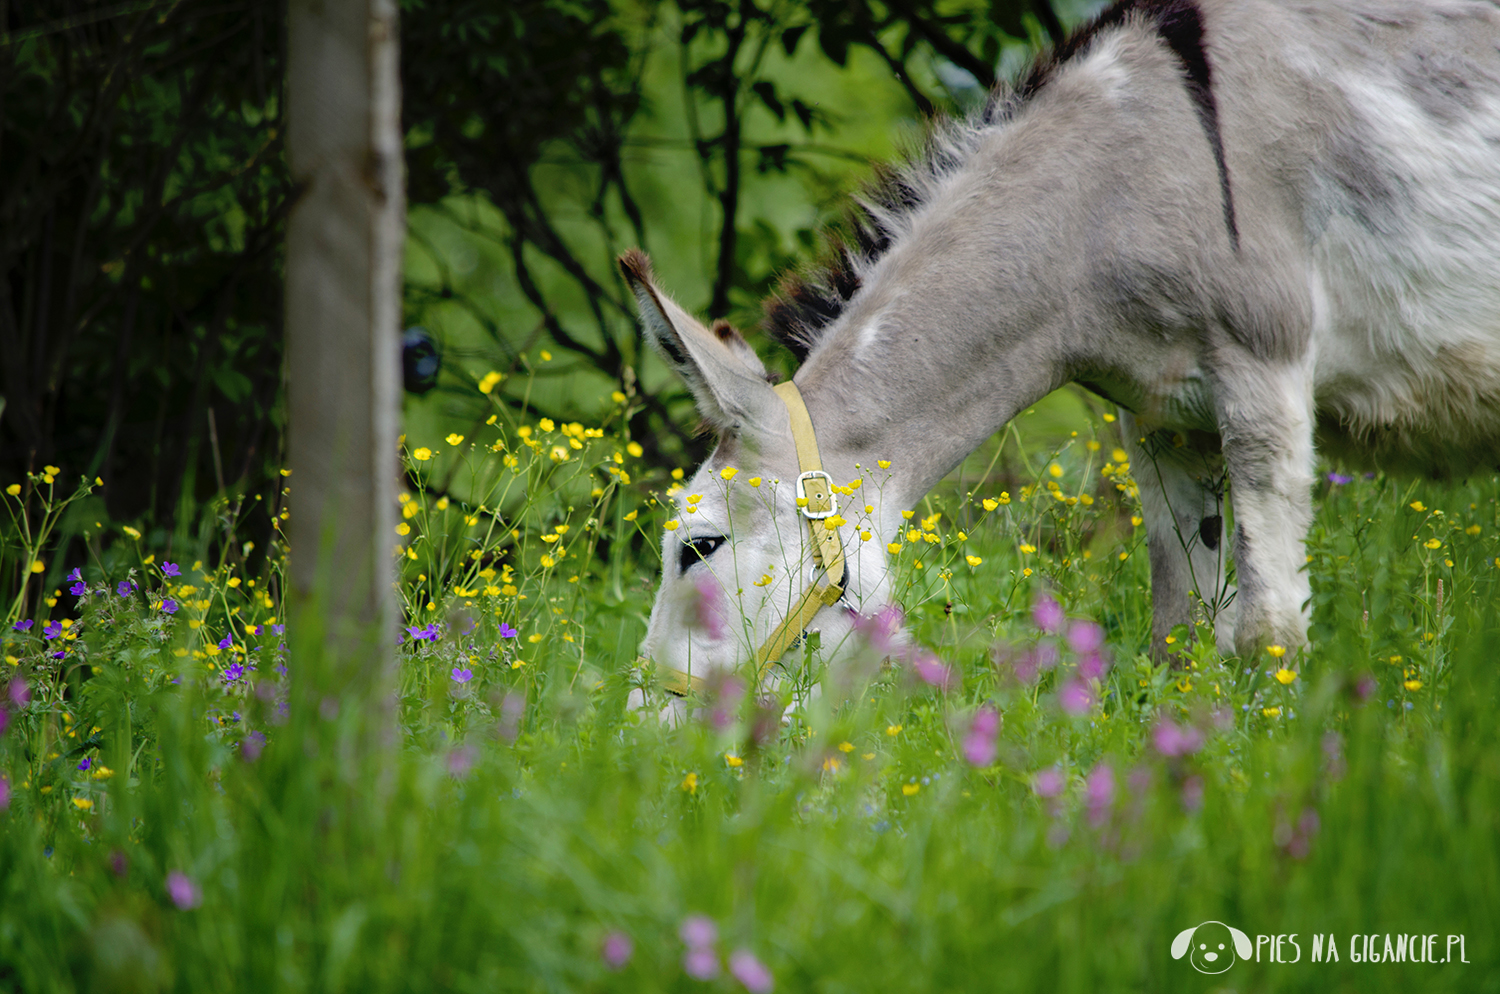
[1213,946]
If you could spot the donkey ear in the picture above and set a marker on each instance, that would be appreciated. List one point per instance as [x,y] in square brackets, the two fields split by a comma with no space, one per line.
[727,378]
[1183,940]
[1241,943]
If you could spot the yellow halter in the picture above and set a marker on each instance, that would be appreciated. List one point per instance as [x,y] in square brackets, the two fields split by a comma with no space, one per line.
[815,501]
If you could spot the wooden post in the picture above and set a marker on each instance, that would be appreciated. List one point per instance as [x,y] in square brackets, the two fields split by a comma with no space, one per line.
[343,311]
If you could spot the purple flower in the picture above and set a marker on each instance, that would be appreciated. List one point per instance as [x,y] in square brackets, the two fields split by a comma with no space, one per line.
[169,606]
[119,862]
[1173,740]
[53,630]
[233,672]
[698,932]
[4,793]
[23,626]
[507,632]
[254,745]
[725,692]
[462,676]
[751,972]
[1192,793]
[1048,782]
[461,761]
[76,575]
[227,642]
[429,634]
[933,671]
[1339,479]
[616,950]
[85,763]
[1075,698]
[170,569]
[701,964]
[881,628]
[711,615]
[512,709]
[1099,793]
[979,744]
[183,891]
[79,588]
[1091,667]
[278,629]
[1048,614]
[1085,637]
[60,654]
[125,588]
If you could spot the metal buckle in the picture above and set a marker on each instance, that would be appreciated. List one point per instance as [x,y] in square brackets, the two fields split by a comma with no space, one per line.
[820,495]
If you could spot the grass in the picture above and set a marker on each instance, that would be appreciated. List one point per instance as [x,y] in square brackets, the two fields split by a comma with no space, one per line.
[229,832]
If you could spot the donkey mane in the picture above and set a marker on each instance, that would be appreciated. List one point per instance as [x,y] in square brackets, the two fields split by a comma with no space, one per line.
[806,303]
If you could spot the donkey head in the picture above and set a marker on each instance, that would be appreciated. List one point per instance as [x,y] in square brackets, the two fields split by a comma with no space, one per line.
[738,557]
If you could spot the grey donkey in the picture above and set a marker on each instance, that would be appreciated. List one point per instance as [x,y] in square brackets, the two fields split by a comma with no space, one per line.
[1260,227]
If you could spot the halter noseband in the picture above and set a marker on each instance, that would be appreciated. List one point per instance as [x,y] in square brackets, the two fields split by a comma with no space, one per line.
[815,501]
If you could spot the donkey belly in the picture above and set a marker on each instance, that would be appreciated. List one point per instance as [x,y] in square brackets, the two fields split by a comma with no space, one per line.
[1405,250]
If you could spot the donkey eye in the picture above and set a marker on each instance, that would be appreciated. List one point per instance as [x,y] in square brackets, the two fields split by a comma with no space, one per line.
[697,550]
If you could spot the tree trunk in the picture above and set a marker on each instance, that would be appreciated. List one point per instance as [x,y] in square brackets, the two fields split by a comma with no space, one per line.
[343,312]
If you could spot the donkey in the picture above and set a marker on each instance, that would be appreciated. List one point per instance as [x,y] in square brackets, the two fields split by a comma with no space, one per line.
[1259,227]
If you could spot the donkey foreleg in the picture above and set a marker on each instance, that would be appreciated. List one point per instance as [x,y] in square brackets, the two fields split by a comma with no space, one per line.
[1265,416]
[1181,481]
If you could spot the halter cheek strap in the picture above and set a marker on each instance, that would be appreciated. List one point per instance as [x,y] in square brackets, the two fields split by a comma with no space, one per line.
[816,503]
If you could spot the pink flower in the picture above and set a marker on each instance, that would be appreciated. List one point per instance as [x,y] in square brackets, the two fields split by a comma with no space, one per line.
[461,761]
[711,615]
[1085,637]
[1172,740]
[1091,667]
[4,720]
[1192,793]
[1099,793]
[20,694]
[183,891]
[933,671]
[4,793]
[701,964]
[979,744]
[1048,782]
[617,950]
[881,628]
[1048,614]
[751,972]
[698,932]
[725,692]
[1075,698]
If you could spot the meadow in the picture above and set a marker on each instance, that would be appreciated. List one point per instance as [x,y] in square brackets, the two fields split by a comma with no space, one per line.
[1033,801]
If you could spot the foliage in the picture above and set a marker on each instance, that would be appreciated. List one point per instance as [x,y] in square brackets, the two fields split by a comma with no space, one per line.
[1016,805]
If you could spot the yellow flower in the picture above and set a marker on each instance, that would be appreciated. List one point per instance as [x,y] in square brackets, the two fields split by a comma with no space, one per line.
[832,764]
[546,424]
[634,448]
[733,760]
[671,526]
[867,755]
[1413,684]
[1473,530]
[846,747]
[864,535]
[102,772]
[1120,455]
[1055,470]
[1417,505]
[728,472]
[617,397]
[1433,543]
[883,463]
[1027,548]
[893,730]
[14,489]
[131,532]
[422,454]
[548,562]
[893,548]
[534,637]
[489,381]
[549,539]
[403,529]
[455,438]
[910,788]
[835,521]
[82,803]
[1270,712]
[690,783]
[1109,417]
[1170,639]
[973,560]
[989,503]
[907,515]
[546,357]
[38,567]
[755,481]
[765,580]
[1276,651]
[631,516]
[1285,676]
